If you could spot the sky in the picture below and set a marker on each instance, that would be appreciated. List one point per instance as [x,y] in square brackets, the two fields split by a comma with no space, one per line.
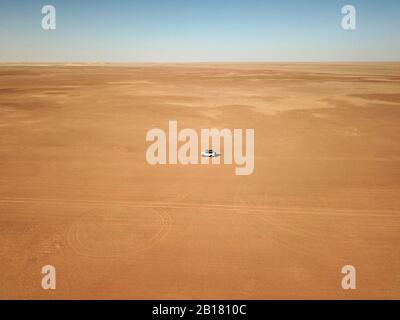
[199,31]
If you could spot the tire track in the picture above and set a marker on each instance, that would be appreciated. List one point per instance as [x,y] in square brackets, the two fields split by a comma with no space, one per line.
[102,249]
[179,205]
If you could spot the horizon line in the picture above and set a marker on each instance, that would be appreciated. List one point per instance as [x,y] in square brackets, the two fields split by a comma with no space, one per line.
[200,62]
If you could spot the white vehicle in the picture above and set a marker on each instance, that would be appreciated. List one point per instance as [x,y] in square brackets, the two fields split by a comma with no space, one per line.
[209,153]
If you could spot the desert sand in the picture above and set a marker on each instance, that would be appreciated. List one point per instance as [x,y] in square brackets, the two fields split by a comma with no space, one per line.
[76,191]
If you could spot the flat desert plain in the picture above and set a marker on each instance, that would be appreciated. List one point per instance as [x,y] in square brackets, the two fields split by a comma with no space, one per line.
[76,191]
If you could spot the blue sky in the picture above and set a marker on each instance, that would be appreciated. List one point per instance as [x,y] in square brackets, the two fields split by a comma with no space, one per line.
[199,30]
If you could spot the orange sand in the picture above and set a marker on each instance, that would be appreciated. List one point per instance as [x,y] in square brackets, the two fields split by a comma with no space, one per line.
[76,191]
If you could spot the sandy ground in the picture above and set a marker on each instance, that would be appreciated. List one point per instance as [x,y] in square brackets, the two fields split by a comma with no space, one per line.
[76,191]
